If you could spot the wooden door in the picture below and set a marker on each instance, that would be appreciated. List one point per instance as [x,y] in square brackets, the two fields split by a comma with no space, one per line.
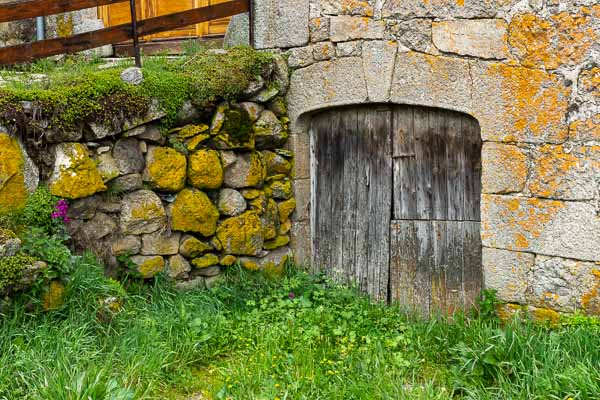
[119,13]
[396,194]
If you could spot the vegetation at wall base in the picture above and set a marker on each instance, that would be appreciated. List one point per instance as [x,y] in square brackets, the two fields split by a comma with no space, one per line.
[300,337]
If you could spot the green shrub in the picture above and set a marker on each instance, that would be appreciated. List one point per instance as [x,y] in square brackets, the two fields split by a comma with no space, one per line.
[11,269]
[38,211]
[51,249]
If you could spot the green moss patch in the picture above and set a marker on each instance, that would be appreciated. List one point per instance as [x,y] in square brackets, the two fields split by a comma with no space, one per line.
[73,95]
[11,269]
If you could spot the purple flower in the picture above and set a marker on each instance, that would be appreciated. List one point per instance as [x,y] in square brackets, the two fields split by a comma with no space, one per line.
[292,295]
[61,210]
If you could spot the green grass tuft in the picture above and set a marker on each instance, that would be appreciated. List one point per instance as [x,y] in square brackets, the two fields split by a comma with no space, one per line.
[297,338]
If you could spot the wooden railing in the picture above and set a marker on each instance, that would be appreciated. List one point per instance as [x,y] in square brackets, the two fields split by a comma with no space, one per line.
[115,34]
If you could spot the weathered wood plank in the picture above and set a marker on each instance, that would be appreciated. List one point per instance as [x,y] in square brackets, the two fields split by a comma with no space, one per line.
[378,125]
[455,269]
[361,235]
[455,164]
[424,160]
[349,193]
[472,148]
[403,263]
[438,266]
[119,33]
[405,164]
[438,121]
[425,260]
[473,272]
[17,10]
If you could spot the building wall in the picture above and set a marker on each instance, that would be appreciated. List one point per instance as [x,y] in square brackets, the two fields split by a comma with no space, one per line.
[528,71]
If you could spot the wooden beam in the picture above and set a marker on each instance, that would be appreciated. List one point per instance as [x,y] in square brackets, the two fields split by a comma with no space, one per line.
[38,8]
[119,33]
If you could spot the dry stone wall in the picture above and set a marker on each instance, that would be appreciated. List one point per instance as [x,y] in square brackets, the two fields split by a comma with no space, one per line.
[214,191]
[527,70]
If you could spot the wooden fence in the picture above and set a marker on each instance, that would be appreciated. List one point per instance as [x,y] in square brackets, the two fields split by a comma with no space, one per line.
[115,34]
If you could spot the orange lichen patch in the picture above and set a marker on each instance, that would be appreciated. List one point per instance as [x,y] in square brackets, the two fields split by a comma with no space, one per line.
[590,301]
[507,311]
[589,82]
[523,218]
[562,39]
[13,192]
[557,171]
[535,102]
[356,7]
[504,168]
[585,130]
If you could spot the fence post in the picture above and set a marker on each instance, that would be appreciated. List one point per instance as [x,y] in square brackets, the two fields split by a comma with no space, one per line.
[136,41]
[251,22]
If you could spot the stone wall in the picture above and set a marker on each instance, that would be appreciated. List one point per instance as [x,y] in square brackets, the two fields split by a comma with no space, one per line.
[211,192]
[528,71]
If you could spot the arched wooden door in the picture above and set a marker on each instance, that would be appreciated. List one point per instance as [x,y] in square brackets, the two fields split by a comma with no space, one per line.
[395,203]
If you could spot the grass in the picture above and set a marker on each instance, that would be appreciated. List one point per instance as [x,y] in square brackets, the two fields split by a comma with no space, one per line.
[296,338]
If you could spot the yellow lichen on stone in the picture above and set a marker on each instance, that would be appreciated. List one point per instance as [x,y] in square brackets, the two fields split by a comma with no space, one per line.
[13,192]
[278,242]
[251,265]
[75,174]
[590,301]
[53,296]
[286,208]
[535,103]
[588,129]
[280,189]
[190,131]
[192,247]
[251,194]
[285,227]
[228,260]
[257,171]
[270,220]
[166,169]
[589,82]
[207,260]
[561,39]
[205,170]
[544,315]
[151,267]
[193,211]
[196,141]
[241,235]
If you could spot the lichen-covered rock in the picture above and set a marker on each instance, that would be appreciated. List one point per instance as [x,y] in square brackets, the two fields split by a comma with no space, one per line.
[231,203]
[193,211]
[130,245]
[142,212]
[205,170]
[504,168]
[128,156]
[191,247]
[241,235]
[178,267]
[126,183]
[233,129]
[269,131]
[554,41]
[506,272]
[160,243]
[165,169]
[107,167]
[253,109]
[228,260]
[149,266]
[272,264]
[97,228]
[207,260]
[75,174]
[260,203]
[248,171]
[209,272]
[281,189]
[279,241]
[251,194]
[10,244]
[53,296]
[481,38]
[276,164]
[270,220]
[286,208]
